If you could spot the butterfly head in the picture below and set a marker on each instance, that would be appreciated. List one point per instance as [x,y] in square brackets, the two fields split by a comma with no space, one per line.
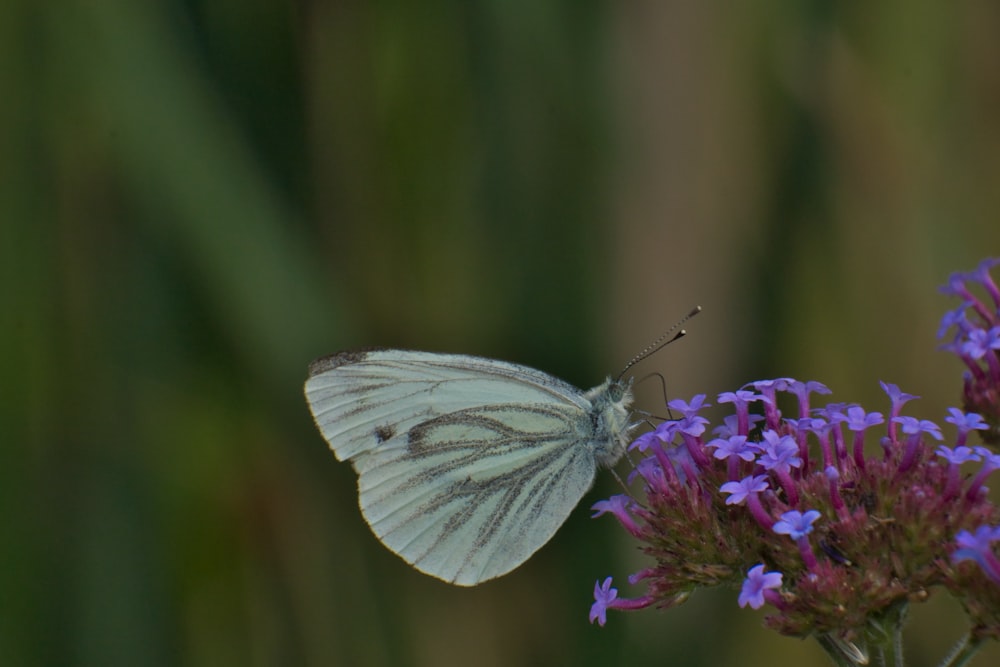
[611,403]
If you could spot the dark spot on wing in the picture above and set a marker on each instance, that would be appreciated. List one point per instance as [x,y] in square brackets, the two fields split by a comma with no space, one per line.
[338,359]
[383,433]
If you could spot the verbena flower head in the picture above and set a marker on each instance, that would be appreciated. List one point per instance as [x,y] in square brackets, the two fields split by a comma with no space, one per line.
[834,516]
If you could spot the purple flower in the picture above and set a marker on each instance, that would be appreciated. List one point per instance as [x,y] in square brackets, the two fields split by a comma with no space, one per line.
[743,489]
[693,425]
[661,435]
[771,386]
[898,398]
[981,274]
[733,449]
[956,286]
[821,429]
[731,425]
[768,390]
[980,341]
[965,422]
[652,472]
[704,511]
[604,596]
[978,548]
[733,446]
[914,428]
[748,490]
[991,462]
[990,458]
[779,452]
[857,421]
[957,455]
[688,409]
[977,343]
[801,390]
[756,584]
[955,458]
[619,506]
[780,455]
[740,398]
[833,413]
[741,402]
[955,318]
[643,442]
[796,524]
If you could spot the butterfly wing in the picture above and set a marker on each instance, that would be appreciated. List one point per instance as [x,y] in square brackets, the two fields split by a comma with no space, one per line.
[466,465]
[360,399]
[490,487]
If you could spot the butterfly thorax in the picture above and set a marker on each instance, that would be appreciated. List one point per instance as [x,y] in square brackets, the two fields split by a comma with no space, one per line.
[609,413]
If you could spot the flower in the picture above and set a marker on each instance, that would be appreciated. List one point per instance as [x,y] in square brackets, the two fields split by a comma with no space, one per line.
[965,422]
[619,506]
[756,584]
[991,462]
[604,596]
[707,508]
[780,454]
[796,524]
[976,341]
[858,421]
[835,537]
[978,547]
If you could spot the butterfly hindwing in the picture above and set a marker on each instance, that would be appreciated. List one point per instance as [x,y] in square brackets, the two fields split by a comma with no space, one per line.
[488,493]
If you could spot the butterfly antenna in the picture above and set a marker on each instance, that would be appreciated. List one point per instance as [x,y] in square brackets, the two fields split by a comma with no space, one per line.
[663,383]
[619,479]
[665,339]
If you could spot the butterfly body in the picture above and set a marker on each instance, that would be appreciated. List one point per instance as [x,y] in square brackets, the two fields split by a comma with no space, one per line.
[466,465]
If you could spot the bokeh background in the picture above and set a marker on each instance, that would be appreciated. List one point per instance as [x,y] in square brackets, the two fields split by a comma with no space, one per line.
[198,197]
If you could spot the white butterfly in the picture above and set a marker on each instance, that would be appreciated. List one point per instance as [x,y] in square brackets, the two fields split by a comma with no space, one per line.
[466,466]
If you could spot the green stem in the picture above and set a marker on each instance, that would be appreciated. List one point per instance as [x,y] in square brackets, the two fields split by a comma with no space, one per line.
[881,644]
[962,652]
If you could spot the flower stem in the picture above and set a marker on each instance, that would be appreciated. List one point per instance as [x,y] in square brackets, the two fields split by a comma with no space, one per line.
[962,652]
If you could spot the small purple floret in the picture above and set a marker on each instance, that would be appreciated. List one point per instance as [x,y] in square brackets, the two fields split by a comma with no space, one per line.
[756,586]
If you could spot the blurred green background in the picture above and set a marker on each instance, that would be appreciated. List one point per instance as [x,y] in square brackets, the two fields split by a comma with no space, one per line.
[199,197]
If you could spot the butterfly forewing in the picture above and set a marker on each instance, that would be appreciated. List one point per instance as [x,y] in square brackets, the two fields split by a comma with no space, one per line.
[361,399]
[466,465]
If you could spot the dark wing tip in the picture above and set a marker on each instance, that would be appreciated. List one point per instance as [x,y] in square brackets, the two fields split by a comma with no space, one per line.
[338,359]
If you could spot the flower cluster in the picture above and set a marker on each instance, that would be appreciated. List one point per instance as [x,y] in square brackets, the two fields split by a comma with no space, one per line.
[976,341]
[796,504]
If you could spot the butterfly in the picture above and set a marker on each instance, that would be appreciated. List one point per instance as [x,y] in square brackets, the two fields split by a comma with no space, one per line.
[466,465]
